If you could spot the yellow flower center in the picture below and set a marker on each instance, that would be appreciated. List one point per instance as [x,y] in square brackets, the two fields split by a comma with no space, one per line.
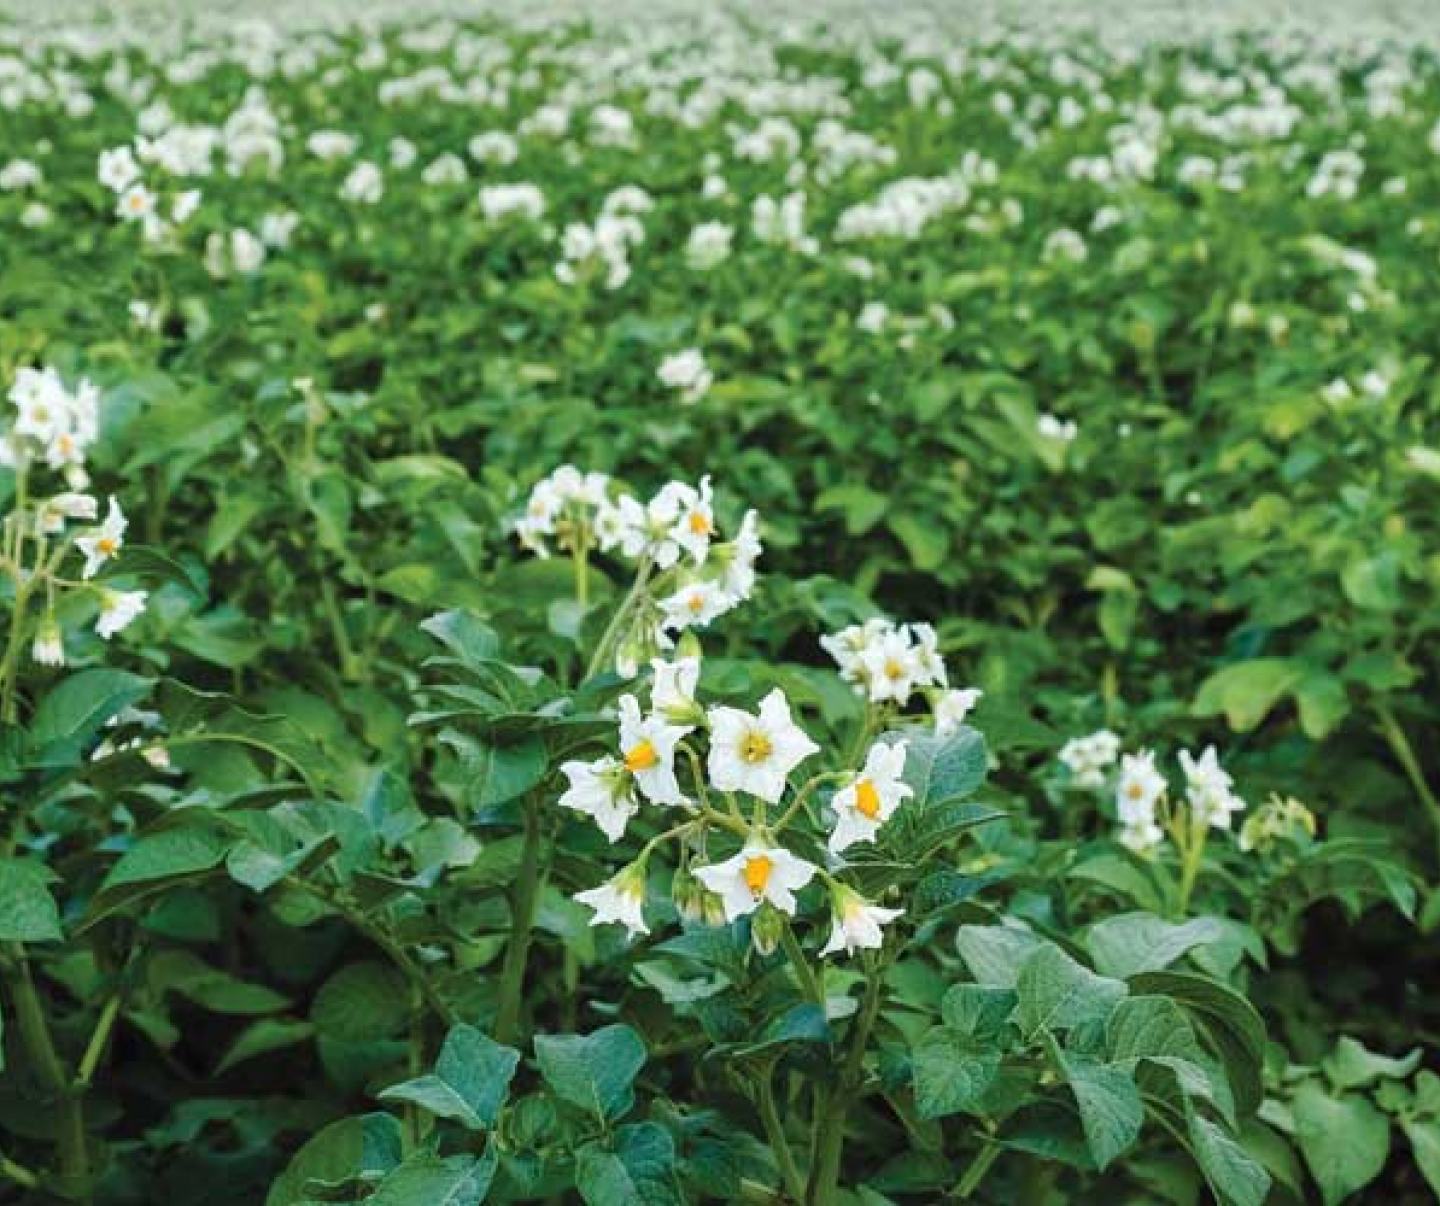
[894,669]
[107,545]
[641,757]
[699,523]
[758,869]
[867,799]
[755,746]
[1134,791]
[696,602]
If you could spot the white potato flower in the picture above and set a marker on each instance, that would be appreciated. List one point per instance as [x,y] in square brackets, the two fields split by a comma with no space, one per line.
[952,708]
[604,791]
[1209,789]
[104,542]
[760,873]
[647,748]
[672,689]
[1139,789]
[756,753]
[118,608]
[858,924]
[870,799]
[620,900]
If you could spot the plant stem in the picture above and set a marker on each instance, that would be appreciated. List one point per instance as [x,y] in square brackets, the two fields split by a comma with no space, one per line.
[803,971]
[44,1060]
[775,1133]
[522,923]
[605,648]
[1192,855]
[830,1133]
[99,1037]
[18,1173]
[581,561]
[1405,754]
[970,1182]
[350,670]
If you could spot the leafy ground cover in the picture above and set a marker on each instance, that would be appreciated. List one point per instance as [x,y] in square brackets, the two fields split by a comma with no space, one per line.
[760,609]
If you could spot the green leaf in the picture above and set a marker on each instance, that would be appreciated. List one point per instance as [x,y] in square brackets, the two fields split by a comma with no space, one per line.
[1111,1112]
[980,1010]
[495,774]
[471,1080]
[427,1180]
[472,641]
[926,541]
[1424,1136]
[1246,692]
[159,860]
[1132,943]
[952,1072]
[1323,703]
[942,769]
[1345,1140]
[1150,1027]
[1225,1019]
[1352,1066]
[28,912]
[593,1071]
[1234,1176]
[360,1003]
[862,507]
[342,1153]
[1056,993]
[639,1172]
[70,716]
[995,953]
[262,1037]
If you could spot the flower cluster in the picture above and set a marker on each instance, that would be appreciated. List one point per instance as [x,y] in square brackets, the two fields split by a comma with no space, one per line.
[54,428]
[888,663]
[745,755]
[120,172]
[1088,758]
[1145,807]
[686,576]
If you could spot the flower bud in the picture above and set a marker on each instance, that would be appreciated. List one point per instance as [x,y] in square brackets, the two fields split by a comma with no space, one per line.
[766,930]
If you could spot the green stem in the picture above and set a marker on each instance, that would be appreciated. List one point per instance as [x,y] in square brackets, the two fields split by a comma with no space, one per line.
[830,1133]
[970,1182]
[605,649]
[9,666]
[581,561]
[18,1173]
[775,1134]
[32,1022]
[522,924]
[1405,755]
[1192,856]
[350,670]
[99,1037]
[803,970]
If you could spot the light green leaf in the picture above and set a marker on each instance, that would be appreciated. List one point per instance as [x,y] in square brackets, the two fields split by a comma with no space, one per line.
[1247,692]
[1111,1112]
[1056,993]
[1352,1066]
[471,1080]
[1345,1140]
[952,1072]
[427,1180]
[28,912]
[593,1071]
